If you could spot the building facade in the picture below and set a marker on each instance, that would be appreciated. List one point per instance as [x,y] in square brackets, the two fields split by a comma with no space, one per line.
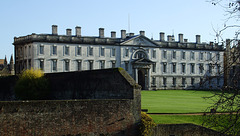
[6,68]
[154,64]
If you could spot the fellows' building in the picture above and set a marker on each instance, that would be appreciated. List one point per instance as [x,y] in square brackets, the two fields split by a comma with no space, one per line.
[154,64]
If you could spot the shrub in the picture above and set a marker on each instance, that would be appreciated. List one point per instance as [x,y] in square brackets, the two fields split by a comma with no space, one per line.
[147,124]
[32,86]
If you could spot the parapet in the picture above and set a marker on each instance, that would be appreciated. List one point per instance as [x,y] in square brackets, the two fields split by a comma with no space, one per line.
[113,40]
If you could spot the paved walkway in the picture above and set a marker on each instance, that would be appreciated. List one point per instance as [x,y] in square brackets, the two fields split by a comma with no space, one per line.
[188,113]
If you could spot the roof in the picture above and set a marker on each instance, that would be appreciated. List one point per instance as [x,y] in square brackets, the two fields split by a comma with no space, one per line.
[1,61]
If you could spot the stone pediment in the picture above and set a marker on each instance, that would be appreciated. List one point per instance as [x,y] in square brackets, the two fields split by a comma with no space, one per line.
[140,41]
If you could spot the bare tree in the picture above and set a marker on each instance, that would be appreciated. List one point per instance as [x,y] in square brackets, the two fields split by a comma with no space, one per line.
[227,100]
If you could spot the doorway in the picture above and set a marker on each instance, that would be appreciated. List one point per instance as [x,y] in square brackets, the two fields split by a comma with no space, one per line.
[141,78]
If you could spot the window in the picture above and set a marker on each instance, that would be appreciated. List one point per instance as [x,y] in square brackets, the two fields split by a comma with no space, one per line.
[183,67]
[126,52]
[29,50]
[79,50]
[201,81]
[79,65]
[102,51]
[25,51]
[164,81]
[217,56]
[102,64]
[41,64]
[192,55]
[183,55]
[30,64]
[66,50]
[153,80]
[66,65]
[139,55]
[174,55]
[41,50]
[90,64]
[54,50]
[218,81]
[91,51]
[174,81]
[201,56]
[218,68]
[210,68]
[113,64]
[154,67]
[209,56]
[201,68]
[192,81]
[165,54]
[164,67]
[174,67]
[192,68]
[113,52]
[154,53]
[183,81]
[126,65]
[54,68]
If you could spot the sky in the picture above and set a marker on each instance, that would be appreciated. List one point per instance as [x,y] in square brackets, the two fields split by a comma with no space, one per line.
[189,17]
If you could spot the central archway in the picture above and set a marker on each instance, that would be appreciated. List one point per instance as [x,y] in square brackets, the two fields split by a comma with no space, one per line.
[141,78]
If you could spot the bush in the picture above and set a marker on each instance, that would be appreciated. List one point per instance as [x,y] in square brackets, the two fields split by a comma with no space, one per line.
[147,124]
[32,86]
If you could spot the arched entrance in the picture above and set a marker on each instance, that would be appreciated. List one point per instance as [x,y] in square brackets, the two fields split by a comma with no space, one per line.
[141,78]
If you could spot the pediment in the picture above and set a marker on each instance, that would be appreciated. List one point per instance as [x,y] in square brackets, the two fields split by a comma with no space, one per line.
[139,40]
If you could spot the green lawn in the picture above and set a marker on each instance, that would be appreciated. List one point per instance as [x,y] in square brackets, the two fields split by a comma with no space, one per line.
[177,119]
[175,101]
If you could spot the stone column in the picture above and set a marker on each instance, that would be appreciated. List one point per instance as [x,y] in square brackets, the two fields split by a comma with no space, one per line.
[136,75]
[149,79]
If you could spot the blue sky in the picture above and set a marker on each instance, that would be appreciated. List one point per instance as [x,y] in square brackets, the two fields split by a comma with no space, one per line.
[190,17]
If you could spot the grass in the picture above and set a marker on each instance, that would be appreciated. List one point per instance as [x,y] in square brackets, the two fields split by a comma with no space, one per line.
[175,101]
[177,119]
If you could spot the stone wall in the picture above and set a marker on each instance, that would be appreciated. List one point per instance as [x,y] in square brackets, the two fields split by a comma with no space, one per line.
[7,88]
[100,102]
[183,130]
[89,117]
[94,84]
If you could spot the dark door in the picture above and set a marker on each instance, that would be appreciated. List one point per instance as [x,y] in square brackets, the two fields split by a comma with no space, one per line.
[141,78]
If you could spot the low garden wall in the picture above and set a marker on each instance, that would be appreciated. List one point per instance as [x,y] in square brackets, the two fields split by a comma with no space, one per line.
[89,103]
[183,130]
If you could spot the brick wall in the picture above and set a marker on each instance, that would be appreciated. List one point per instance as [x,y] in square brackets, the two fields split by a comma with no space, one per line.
[89,117]
[98,102]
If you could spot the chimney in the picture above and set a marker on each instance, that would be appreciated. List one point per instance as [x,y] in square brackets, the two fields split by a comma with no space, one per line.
[68,32]
[113,34]
[78,31]
[169,38]
[185,40]
[180,38]
[198,38]
[211,43]
[54,30]
[228,41]
[162,36]
[142,33]
[123,34]
[101,32]
[131,34]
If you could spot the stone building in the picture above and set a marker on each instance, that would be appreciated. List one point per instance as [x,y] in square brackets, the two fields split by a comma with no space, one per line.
[5,67]
[232,64]
[154,64]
